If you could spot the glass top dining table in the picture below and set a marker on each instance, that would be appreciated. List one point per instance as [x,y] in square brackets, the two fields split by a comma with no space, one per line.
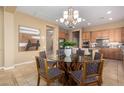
[67,64]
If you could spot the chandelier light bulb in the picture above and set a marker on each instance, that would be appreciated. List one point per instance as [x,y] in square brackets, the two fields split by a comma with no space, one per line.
[76,14]
[65,14]
[79,19]
[66,22]
[61,20]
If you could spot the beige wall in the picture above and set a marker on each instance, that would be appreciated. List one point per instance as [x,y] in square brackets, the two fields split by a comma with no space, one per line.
[9,23]
[26,20]
[1,38]
[106,26]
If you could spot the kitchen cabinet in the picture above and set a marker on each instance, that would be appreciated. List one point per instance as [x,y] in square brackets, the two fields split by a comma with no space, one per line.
[122,35]
[111,35]
[99,34]
[105,34]
[114,35]
[117,35]
[62,34]
[93,36]
[111,53]
[86,36]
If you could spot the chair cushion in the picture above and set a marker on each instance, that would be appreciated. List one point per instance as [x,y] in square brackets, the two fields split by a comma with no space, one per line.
[53,72]
[78,76]
[92,68]
[51,63]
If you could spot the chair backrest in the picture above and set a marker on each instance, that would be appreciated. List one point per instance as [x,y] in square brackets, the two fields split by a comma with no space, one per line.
[42,54]
[80,52]
[92,69]
[60,52]
[98,56]
[42,65]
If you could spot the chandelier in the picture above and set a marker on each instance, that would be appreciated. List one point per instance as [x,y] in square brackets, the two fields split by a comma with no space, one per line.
[70,17]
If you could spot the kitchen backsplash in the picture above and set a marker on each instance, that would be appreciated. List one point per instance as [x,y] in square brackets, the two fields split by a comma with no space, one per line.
[109,45]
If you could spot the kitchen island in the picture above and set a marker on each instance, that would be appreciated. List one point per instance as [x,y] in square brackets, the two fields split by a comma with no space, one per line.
[112,53]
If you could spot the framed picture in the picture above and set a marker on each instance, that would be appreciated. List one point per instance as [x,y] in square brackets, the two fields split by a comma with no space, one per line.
[29,39]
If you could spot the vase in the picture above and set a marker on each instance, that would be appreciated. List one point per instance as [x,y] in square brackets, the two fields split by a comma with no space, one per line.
[67,52]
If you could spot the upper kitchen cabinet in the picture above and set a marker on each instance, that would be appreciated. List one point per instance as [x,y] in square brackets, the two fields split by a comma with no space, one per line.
[117,35]
[105,34]
[62,34]
[122,35]
[93,36]
[111,35]
[114,35]
[98,34]
[86,35]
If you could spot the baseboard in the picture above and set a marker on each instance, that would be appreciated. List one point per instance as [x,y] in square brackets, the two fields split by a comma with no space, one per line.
[28,62]
[19,64]
[7,68]
[1,67]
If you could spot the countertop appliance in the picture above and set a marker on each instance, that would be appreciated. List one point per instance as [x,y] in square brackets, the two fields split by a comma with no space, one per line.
[86,44]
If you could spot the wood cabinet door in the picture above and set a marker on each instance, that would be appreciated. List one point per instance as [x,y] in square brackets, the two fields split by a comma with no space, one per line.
[98,34]
[122,35]
[83,35]
[93,36]
[105,34]
[87,35]
[111,35]
[61,34]
[117,35]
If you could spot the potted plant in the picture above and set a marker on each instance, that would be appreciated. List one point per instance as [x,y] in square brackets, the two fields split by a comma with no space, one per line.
[67,45]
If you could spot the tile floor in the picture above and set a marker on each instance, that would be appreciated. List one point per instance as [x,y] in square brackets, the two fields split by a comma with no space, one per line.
[26,75]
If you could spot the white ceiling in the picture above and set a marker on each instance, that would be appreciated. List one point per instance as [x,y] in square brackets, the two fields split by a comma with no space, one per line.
[92,14]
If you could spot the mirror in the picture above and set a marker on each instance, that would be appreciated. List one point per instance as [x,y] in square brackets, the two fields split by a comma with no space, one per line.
[29,39]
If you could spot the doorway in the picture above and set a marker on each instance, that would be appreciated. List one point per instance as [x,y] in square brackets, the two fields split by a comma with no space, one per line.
[49,40]
[76,37]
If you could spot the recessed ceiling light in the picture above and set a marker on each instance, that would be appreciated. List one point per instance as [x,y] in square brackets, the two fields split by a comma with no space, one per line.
[89,24]
[83,19]
[109,12]
[57,20]
[110,18]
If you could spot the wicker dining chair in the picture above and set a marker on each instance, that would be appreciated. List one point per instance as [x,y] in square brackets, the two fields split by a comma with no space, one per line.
[51,63]
[49,75]
[91,74]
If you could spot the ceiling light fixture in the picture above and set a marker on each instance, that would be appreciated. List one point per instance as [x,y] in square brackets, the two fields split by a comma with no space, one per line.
[109,12]
[70,17]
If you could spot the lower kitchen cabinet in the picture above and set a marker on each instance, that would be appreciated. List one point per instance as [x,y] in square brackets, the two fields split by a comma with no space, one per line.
[111,53]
